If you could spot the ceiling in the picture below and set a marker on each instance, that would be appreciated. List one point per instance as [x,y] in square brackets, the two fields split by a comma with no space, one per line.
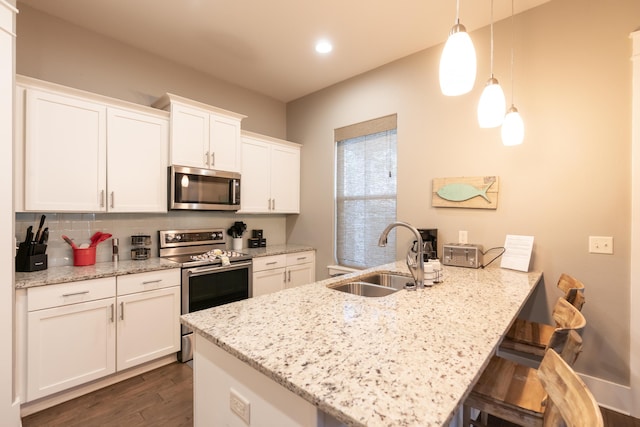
[268,45]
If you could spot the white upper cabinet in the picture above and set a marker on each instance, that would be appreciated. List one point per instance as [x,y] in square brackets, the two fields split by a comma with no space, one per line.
[65,153]
[202,136]
[136,161]
[80,152]
[189,136]
[270,175]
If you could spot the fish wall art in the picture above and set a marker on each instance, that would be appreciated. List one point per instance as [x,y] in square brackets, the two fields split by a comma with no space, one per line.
[480,192]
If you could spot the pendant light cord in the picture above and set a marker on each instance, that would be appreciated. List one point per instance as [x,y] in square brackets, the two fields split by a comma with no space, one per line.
[491,38]
[457,11]
[512,41]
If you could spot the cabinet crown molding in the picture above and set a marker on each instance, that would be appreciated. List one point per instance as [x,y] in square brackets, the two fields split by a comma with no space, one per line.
[33,83]
[165,101]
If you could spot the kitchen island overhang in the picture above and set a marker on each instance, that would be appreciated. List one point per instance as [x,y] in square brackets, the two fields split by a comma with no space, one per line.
[407,359]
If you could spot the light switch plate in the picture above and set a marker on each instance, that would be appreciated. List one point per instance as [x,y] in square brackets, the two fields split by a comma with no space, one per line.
[600,244]
[463,237]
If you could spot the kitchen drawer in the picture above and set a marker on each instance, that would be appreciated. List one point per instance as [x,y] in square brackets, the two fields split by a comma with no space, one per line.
[300,257]
[269,262]
[51,296]
[140,282]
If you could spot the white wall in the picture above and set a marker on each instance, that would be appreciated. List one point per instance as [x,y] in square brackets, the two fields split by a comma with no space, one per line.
[54,50]
[569,180]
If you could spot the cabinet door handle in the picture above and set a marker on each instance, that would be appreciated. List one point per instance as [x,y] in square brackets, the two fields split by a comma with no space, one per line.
[112,312]
[122,310]
[272,263]
[285,277]
[113,198]
[269,204]
[273,205]
[289,277]
[102,198]
[148,282]
[301,258]
[75,293]
[213,158]
[206,158]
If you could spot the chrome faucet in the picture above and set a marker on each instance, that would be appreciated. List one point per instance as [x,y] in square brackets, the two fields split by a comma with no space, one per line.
[417,271]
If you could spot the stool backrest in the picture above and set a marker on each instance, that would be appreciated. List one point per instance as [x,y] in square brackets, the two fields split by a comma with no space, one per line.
[573,290]
[568,318]
[569,402]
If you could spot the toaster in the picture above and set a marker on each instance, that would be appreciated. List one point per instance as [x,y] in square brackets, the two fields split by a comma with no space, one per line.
[462,255]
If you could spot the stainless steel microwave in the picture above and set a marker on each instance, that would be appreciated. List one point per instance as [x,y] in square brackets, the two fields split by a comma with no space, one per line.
[203,189]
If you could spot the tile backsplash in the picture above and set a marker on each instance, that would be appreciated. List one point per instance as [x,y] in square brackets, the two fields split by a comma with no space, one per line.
[80,227]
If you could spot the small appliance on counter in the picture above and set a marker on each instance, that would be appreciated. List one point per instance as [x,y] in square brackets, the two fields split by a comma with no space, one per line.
[31,254]
[257,239]
[462,255]
[430,242]
[140,247]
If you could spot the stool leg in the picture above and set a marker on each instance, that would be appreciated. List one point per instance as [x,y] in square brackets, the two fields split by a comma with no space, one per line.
[466,416]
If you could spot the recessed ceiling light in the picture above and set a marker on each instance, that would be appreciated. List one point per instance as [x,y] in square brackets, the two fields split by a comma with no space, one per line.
[324,46]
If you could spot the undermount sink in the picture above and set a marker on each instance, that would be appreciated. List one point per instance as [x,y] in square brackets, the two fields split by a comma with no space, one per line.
[374,284]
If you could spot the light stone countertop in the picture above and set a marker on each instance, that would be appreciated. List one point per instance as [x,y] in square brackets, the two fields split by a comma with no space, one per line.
[276,250]
[69,273]
[66,274]
[406,359]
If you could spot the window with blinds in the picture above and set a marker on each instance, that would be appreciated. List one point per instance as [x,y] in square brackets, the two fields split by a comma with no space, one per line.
[365,199]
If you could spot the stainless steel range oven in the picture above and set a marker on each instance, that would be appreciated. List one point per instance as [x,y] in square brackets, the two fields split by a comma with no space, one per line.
[211,275]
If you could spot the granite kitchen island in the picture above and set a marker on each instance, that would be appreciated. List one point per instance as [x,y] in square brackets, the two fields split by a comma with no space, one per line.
[312,355]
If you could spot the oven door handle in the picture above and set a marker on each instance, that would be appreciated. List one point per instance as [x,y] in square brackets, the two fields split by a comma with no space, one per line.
[196,271]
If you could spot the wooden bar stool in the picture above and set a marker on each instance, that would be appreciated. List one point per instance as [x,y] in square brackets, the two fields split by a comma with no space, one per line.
[512,391]
[530,339]
[569,401]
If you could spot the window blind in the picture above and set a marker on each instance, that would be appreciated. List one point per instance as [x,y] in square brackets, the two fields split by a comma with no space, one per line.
[366,169]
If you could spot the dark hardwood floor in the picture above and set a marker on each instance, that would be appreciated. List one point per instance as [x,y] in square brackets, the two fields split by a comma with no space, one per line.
[164,397]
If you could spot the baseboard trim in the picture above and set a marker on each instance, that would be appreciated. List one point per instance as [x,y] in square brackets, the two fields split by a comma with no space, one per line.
[55,399]
[610,395]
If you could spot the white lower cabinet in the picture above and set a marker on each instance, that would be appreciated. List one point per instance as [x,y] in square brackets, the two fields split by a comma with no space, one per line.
[277,272]
[82,331]
[71,335]
[269,274]
[301,268]
[148,307]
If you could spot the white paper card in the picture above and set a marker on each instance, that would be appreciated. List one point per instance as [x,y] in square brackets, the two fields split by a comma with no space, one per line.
[517,254]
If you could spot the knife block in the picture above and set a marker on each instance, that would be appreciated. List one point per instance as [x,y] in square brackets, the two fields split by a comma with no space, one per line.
[31,257]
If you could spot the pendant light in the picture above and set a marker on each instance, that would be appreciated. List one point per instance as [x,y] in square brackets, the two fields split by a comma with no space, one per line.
[491,107]
[458,60]
[513,126]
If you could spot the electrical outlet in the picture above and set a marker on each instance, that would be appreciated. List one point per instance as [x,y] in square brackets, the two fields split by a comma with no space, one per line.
[462,237]
[239,405]
[600,245]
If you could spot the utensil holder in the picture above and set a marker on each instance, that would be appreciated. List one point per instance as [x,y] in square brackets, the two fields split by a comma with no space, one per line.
[84,256]
[31,257]
[237,243]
